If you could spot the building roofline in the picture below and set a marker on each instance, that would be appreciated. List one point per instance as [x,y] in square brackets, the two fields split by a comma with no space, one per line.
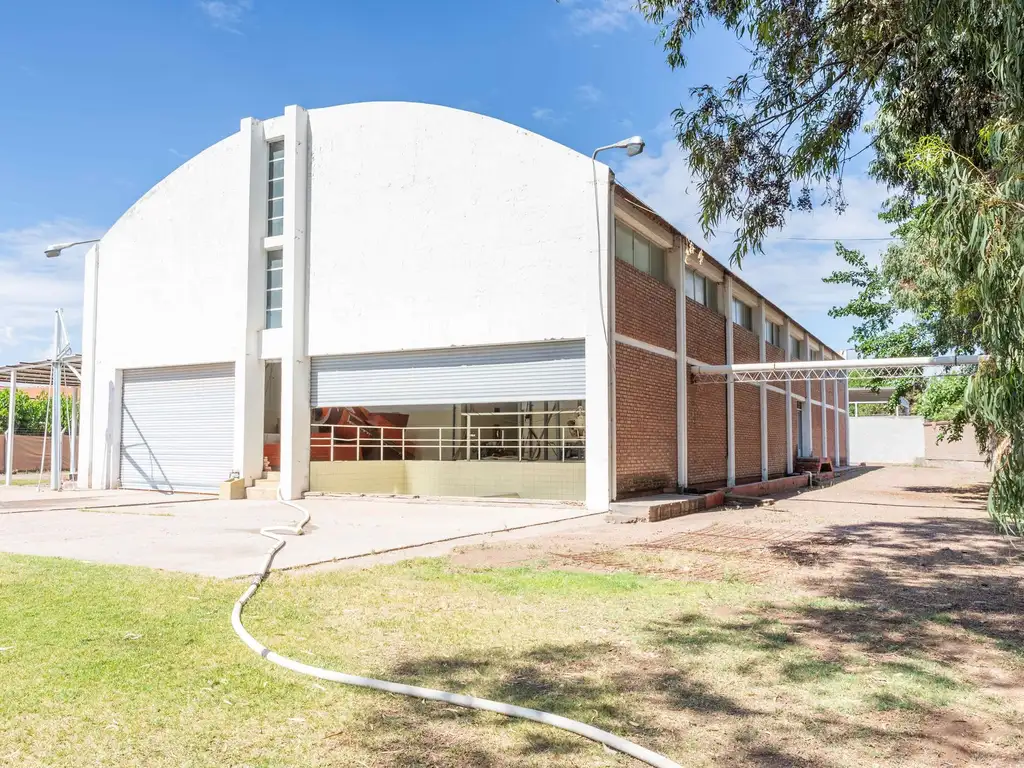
[624,193]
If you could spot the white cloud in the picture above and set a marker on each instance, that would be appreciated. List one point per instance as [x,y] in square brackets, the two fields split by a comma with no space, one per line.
[34,286]
[226,14]
[589,94]
[595,16]
[795,259]
[547,115]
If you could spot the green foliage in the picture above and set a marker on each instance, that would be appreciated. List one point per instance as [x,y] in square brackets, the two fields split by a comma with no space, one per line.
[942,399]
[772,137]
[946,81]
[31,412]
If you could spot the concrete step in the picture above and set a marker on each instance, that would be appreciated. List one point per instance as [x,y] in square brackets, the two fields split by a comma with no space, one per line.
[266,482]
[275,476]
[262,492]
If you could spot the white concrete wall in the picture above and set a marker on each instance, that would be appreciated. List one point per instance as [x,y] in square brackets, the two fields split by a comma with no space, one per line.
[431,227]
[415,226]
[886,439]
[171,279]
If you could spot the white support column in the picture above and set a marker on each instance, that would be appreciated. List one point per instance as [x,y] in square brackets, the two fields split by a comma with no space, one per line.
[763,391]
[73,436]
[846,405]
[295,417]
[56,436]
[835,414]
[824,413]
[730,390]
[87,431]
[11,418]
[599,348]
[249,368]
[808,425]
[682,375]
[787,329]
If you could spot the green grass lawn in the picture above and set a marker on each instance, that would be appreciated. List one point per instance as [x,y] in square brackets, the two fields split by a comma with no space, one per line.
[115,666]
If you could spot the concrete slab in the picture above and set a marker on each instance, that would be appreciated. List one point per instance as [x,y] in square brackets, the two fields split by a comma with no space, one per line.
[221,538]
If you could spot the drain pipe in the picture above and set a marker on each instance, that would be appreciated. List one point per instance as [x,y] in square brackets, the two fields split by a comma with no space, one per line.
[277,533]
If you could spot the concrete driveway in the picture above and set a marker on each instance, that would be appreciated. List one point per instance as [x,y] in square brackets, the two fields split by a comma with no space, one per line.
[221,538]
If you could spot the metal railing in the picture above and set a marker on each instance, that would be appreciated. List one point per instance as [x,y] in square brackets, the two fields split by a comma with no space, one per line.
[523,442]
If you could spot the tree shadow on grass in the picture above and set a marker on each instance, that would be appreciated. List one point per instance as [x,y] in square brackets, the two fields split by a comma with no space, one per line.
[895,575]
[637,696]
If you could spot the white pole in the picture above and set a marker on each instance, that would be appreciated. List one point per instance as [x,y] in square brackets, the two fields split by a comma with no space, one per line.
[786,331]
[73,429]
[762,391]
[55,428]
[730,391]
[11,418]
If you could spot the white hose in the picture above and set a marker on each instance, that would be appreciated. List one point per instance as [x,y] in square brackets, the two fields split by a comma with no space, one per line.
[458,699]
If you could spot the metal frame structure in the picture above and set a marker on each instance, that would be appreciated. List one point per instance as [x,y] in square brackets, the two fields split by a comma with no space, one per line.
[60,372]
[820,370]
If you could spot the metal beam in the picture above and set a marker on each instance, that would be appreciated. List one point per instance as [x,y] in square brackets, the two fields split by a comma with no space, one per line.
[11,418]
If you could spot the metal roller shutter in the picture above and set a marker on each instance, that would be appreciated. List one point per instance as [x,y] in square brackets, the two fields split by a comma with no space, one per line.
[177,427]
[513,373]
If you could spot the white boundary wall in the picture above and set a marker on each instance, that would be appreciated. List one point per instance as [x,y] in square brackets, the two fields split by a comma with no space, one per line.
[886,439]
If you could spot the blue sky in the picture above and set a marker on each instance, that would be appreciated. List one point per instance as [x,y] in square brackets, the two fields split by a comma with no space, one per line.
[101,100]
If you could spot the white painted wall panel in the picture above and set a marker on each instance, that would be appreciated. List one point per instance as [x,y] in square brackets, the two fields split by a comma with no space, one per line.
[431,227]
[886,439]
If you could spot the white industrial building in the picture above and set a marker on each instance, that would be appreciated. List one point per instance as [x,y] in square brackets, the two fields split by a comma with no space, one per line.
[406,298]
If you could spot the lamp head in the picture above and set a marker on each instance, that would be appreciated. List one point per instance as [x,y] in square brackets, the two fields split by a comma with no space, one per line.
[634,145]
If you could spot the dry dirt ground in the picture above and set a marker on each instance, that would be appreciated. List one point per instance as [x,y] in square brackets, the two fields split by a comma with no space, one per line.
[904,564]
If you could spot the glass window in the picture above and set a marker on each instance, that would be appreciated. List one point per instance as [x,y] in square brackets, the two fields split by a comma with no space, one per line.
[623,243]
[275,288]
[773,333]
[742,314]
[639,251]
[641,254]
[275,189]
[657,263]
[796,349]
[702,290]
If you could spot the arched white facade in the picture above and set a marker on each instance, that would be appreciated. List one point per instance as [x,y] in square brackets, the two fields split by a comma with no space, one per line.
[406,227]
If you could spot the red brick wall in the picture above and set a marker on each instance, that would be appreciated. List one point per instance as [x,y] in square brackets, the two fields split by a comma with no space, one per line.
[830,389]
[705,403]
[746,348]
[777,433]
[705,334]
[796,432]
[815,448]
[748,433]
[645,421]
[774,354]
[645,308]
[843,458]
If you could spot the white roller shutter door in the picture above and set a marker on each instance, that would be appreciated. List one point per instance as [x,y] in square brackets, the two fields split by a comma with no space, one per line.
[499,374]
[177,427]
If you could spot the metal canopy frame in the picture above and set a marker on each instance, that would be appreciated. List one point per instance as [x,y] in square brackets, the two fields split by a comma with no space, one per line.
[823,370]
[62,371]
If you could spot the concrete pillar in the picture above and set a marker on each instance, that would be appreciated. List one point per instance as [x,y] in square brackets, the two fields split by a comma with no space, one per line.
[295,424]
[87,406]
[787,329]
[730,390]
[835,416]
[11,418]
[682,374]
[824,412]
[808,407]
[248,447]
[600,355]
[846,405]
[761,317]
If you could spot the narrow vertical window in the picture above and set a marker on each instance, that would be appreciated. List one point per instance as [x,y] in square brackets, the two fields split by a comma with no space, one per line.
[275,189]
[275,288]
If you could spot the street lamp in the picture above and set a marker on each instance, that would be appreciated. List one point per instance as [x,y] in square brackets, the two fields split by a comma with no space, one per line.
[634,145]
[56,382]
[53,251]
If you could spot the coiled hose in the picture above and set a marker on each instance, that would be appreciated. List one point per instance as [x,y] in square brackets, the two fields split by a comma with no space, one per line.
[275,533]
